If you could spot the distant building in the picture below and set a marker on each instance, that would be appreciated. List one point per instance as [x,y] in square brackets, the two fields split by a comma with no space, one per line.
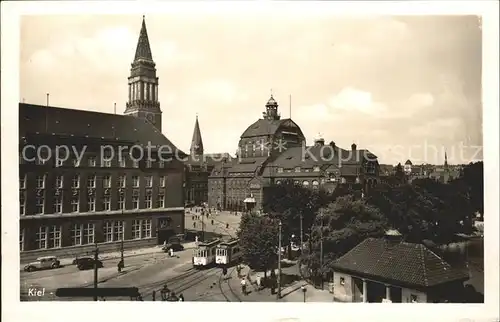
[272,150]
[382,270]
[67,206]
[198,168]
[445,173]
[407,167]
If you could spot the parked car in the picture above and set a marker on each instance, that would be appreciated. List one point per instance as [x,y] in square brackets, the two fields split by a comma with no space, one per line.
[46,262]
[175,246]
[87,263]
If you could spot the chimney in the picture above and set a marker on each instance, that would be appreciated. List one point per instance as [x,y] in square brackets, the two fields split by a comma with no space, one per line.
[332,144]
[353,146]
[393,237]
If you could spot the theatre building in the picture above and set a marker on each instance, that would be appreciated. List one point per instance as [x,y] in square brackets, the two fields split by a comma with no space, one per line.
[272,150]
[119,179]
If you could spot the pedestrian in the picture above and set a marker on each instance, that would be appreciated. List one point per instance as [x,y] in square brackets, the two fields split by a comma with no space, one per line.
[258,280]
[165,292]
[212,222]
[273,282]
[227,226]
[181,298]
[194,224]
[120,266]
[238,269]
[224,271]
[171,252]
[243,286]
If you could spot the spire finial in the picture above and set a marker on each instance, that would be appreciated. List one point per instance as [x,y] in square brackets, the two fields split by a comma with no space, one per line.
[196,115]
[143,17]
[271,92]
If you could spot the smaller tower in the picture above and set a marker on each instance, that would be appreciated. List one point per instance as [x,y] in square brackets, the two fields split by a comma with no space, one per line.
[271,112]
[319,140]
[445,161]
[196,142]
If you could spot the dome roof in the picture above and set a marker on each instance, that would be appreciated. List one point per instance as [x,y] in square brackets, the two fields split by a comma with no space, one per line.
[408,162]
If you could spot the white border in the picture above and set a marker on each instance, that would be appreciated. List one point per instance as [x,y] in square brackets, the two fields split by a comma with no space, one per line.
[13,310]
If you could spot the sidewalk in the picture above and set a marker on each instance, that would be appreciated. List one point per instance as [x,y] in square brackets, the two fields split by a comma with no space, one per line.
[116,255]
[290,293]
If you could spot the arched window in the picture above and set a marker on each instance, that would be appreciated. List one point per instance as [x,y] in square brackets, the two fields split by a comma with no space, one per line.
[305,183]
[315,184]
[278,182]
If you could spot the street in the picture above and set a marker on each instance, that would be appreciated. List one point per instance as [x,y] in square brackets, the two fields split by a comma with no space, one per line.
[148,272]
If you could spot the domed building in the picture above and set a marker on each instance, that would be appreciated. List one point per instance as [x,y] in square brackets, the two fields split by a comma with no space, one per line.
[272,150]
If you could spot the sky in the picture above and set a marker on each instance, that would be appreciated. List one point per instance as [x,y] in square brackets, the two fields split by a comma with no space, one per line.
[404,87]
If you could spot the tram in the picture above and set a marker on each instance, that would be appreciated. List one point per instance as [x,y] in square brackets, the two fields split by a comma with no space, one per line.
[228,252]
[204,254]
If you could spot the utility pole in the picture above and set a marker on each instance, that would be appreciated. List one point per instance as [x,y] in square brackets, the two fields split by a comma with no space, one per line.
[278,294]
[301,234]
[121,253]
[202,227]
[96,280]
[321,248]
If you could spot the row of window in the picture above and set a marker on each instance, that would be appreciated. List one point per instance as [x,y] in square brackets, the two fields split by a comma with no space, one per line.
[91,181]
[91,203]
[106,162]
[298,169]
[84,234]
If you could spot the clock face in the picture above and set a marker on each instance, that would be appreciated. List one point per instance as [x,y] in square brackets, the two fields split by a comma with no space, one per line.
[150,117]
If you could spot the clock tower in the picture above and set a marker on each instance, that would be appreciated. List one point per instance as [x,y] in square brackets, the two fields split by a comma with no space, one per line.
[143,83]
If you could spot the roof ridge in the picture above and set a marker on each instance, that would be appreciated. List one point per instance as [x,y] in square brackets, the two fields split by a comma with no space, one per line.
[445,263]
[55,108]
[422,258]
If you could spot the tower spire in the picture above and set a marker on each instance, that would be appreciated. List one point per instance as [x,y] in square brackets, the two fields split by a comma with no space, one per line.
[143,84]
[196,141]
[143,50]
[445,159]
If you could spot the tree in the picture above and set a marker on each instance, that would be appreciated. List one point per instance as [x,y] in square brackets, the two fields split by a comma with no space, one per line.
[288,202]
[258,241]
[340,226]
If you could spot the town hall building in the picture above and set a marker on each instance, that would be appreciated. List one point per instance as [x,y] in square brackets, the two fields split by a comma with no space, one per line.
[67,206]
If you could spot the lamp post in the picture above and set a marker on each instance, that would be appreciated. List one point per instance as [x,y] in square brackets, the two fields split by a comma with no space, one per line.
[301,233]
[278,294]
[96,268]
[304,290]
[321,248]
[122,258]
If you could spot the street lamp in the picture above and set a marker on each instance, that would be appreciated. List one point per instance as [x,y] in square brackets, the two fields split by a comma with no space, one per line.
[278,294]
[304,290]
[321,247]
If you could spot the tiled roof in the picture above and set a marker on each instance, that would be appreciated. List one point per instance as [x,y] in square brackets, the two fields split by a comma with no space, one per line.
[208,158]
[399,263]
[262,127]
[36,119]
[316,155]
